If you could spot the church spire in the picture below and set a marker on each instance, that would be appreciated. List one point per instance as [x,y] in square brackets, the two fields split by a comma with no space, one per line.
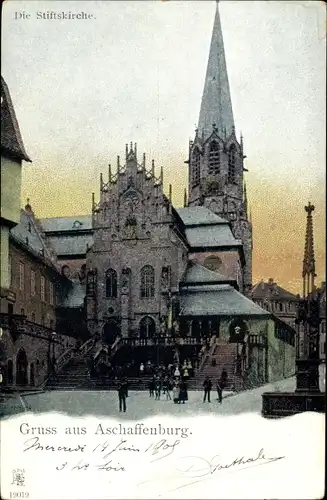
[309,266]
[216,105]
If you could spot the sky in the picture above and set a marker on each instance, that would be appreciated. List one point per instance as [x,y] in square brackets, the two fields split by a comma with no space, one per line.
[135,72]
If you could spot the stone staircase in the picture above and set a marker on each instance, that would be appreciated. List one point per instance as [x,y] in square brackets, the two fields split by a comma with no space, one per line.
[221,355]
[74,375]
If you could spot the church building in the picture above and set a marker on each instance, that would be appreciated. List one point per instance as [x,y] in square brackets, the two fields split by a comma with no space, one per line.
[148,279]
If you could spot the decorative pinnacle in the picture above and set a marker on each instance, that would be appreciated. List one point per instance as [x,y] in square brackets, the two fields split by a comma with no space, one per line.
[152,168]
[144,160]
[309,208]
[109,169]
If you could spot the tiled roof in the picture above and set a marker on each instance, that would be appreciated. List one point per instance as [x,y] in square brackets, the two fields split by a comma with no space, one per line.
[271,291]
[194,216]
[218,300]
[28,232]
[75,223]
[196,273]
[11,139]
[215,236]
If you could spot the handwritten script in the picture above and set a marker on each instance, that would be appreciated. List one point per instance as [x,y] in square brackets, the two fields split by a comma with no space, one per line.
[202,469]
[103,453]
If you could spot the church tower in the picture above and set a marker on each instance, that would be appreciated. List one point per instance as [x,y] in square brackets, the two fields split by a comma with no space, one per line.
[216,157]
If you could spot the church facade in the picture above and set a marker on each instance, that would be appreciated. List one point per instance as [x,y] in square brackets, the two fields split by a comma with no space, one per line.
[138,271]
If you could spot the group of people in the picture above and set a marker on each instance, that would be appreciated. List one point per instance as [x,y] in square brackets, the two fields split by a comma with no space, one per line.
[166,386]
[220,386]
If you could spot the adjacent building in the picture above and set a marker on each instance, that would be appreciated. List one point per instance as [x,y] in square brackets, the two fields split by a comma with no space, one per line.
[280,302]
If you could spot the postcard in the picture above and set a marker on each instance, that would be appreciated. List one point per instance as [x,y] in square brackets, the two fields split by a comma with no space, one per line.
[163,294]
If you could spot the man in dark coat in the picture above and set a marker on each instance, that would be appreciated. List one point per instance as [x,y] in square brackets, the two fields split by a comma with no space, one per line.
[207,385]
[221,384]
[122,392]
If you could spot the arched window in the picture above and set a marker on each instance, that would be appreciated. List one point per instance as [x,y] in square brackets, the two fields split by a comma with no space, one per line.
[280,306]
[147,282]
[111,284]
[214,158]
[195,167]
[231,163]
[147,327]
[237,330]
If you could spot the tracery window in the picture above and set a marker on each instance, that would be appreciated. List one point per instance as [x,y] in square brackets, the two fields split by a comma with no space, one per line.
[147,327]
[195,167]
[231,163]
[147,282]
[111,284]
[214,158]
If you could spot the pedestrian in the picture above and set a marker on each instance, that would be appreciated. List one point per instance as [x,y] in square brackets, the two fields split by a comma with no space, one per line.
[141,369]
[177,373]
[183,396]
[122,395]
[158,389]
[151,387]
[176,394]
[223,379]
[125,382]
[207,385]
[219,392]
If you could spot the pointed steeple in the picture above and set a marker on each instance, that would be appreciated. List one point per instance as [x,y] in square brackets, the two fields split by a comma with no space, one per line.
[216,105]
[309,264]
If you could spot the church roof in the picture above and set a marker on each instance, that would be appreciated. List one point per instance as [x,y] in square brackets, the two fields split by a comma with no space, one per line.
[271,291]
[195,216]
[217,236]
[195,274]
[29,233]
[11,139]
[74,223]
[216,105]
[217,300]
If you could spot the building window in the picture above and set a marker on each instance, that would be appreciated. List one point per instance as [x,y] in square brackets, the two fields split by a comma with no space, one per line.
[280,306]
[147,282]
[29,227]
[111,284]
[22,312]
[147,327]
[42,292]
[231,163]
[51,294]
[33,288]
[42,320]
[21,276]
[195,167]
[214,158]
[33,317]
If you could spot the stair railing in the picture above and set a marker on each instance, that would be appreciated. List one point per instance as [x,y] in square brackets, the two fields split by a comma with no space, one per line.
[87,346]
[207,354]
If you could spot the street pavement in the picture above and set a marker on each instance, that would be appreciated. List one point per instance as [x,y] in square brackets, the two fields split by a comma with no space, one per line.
[139,404]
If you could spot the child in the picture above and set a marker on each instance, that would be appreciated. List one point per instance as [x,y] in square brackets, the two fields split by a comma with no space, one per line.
[176,394]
